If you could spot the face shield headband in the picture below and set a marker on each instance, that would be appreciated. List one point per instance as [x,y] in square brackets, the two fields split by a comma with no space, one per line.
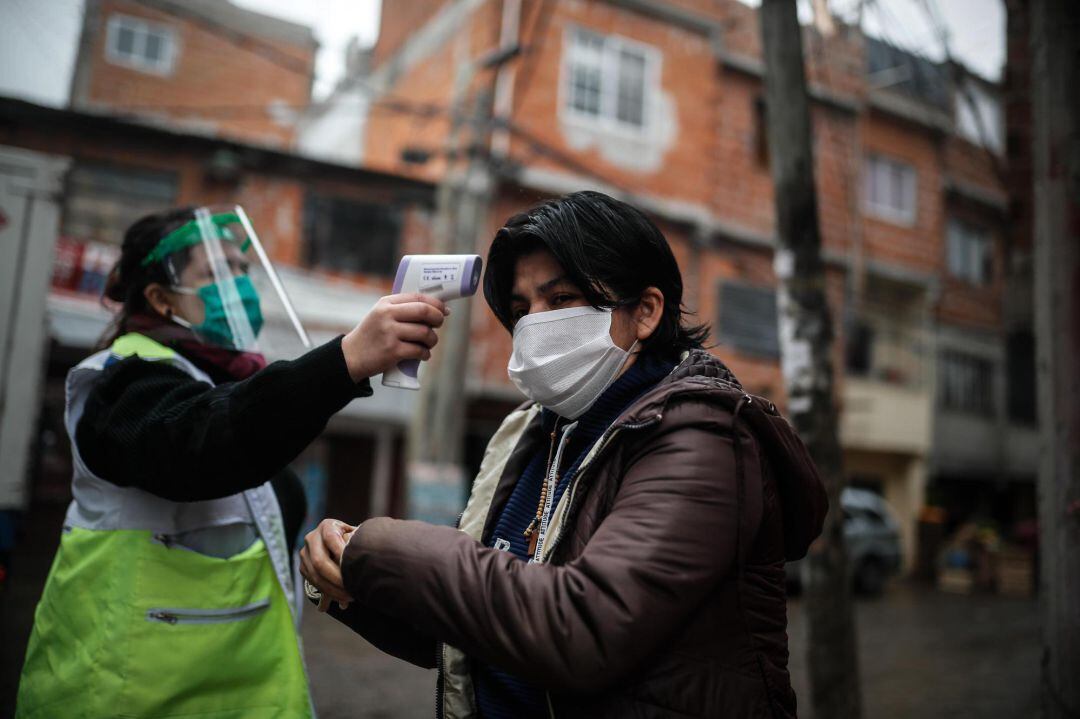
[233,312]
[190,234]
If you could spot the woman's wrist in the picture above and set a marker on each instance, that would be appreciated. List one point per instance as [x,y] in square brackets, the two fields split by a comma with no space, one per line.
[347,536]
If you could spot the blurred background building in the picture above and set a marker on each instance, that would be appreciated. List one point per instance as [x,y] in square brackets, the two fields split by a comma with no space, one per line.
[923,176]
[659,103]
[195,104]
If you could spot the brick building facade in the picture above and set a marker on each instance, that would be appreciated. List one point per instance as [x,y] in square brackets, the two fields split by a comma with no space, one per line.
[203,127]
[660,103]
[202,65]
[315,220]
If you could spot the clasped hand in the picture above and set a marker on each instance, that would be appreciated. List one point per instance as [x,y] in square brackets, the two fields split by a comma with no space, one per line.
[320,561]
[399,327]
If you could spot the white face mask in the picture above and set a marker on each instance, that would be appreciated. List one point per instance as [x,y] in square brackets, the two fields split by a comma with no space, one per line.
[565,359]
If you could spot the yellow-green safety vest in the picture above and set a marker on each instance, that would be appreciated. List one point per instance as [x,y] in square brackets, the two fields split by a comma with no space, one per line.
[135,622]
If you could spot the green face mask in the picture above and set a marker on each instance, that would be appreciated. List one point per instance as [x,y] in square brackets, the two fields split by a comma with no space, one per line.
[214,329]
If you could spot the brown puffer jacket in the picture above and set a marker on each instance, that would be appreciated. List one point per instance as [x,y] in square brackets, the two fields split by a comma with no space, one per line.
[661,593]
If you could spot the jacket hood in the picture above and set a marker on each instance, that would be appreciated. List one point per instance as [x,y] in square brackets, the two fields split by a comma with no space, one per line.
[803,500]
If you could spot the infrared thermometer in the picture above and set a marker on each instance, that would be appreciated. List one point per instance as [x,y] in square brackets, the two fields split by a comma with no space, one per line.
[446,277]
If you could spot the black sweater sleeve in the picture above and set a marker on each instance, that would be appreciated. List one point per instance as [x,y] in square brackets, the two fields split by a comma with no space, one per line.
[152,426]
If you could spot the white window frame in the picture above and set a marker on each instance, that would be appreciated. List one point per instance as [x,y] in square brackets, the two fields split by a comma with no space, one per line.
[141,29]
[969,235]
[899,216]
[607,119]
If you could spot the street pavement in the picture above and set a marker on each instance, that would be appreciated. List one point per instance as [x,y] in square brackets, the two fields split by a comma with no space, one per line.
[927,654]
[352,679]
[922,653]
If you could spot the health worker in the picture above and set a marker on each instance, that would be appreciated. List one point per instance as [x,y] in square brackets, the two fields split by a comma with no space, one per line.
[175,591]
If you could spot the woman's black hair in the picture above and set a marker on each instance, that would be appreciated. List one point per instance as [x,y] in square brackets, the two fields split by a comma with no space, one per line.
[609,249]
[129,278]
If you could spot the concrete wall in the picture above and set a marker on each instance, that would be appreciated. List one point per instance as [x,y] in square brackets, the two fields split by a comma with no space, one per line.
[977,446]
[887,418]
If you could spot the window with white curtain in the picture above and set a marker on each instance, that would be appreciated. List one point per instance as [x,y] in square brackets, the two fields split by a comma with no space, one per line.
[141,45]
[609,80]
[969,252]
[890,189]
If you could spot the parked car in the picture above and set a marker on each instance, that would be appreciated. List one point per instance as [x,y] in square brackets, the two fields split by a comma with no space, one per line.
[873,543]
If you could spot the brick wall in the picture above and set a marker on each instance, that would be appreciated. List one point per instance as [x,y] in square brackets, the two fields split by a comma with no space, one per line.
[917,246]
[390,129]
[275,206]
[977,171]
[715,159]
[685,169]
[711,114]
[271,191]
[397,22]
[743,193]
[221,82]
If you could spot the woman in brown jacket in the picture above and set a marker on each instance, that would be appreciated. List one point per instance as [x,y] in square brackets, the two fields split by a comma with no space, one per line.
[622,551]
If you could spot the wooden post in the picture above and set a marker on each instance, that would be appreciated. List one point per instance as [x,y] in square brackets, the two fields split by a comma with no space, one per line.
[1055,48]
[806,335]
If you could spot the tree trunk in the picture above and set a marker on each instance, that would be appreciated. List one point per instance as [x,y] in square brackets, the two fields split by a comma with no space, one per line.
[806,336]
[1055,47]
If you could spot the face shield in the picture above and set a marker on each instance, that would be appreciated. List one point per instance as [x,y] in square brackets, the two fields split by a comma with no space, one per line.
[231,288]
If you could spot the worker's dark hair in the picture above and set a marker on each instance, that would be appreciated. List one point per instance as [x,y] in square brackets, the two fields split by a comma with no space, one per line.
[129,278]
[609,249]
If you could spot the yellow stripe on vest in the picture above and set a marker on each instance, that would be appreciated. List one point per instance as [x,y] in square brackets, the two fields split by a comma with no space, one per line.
[133,344]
